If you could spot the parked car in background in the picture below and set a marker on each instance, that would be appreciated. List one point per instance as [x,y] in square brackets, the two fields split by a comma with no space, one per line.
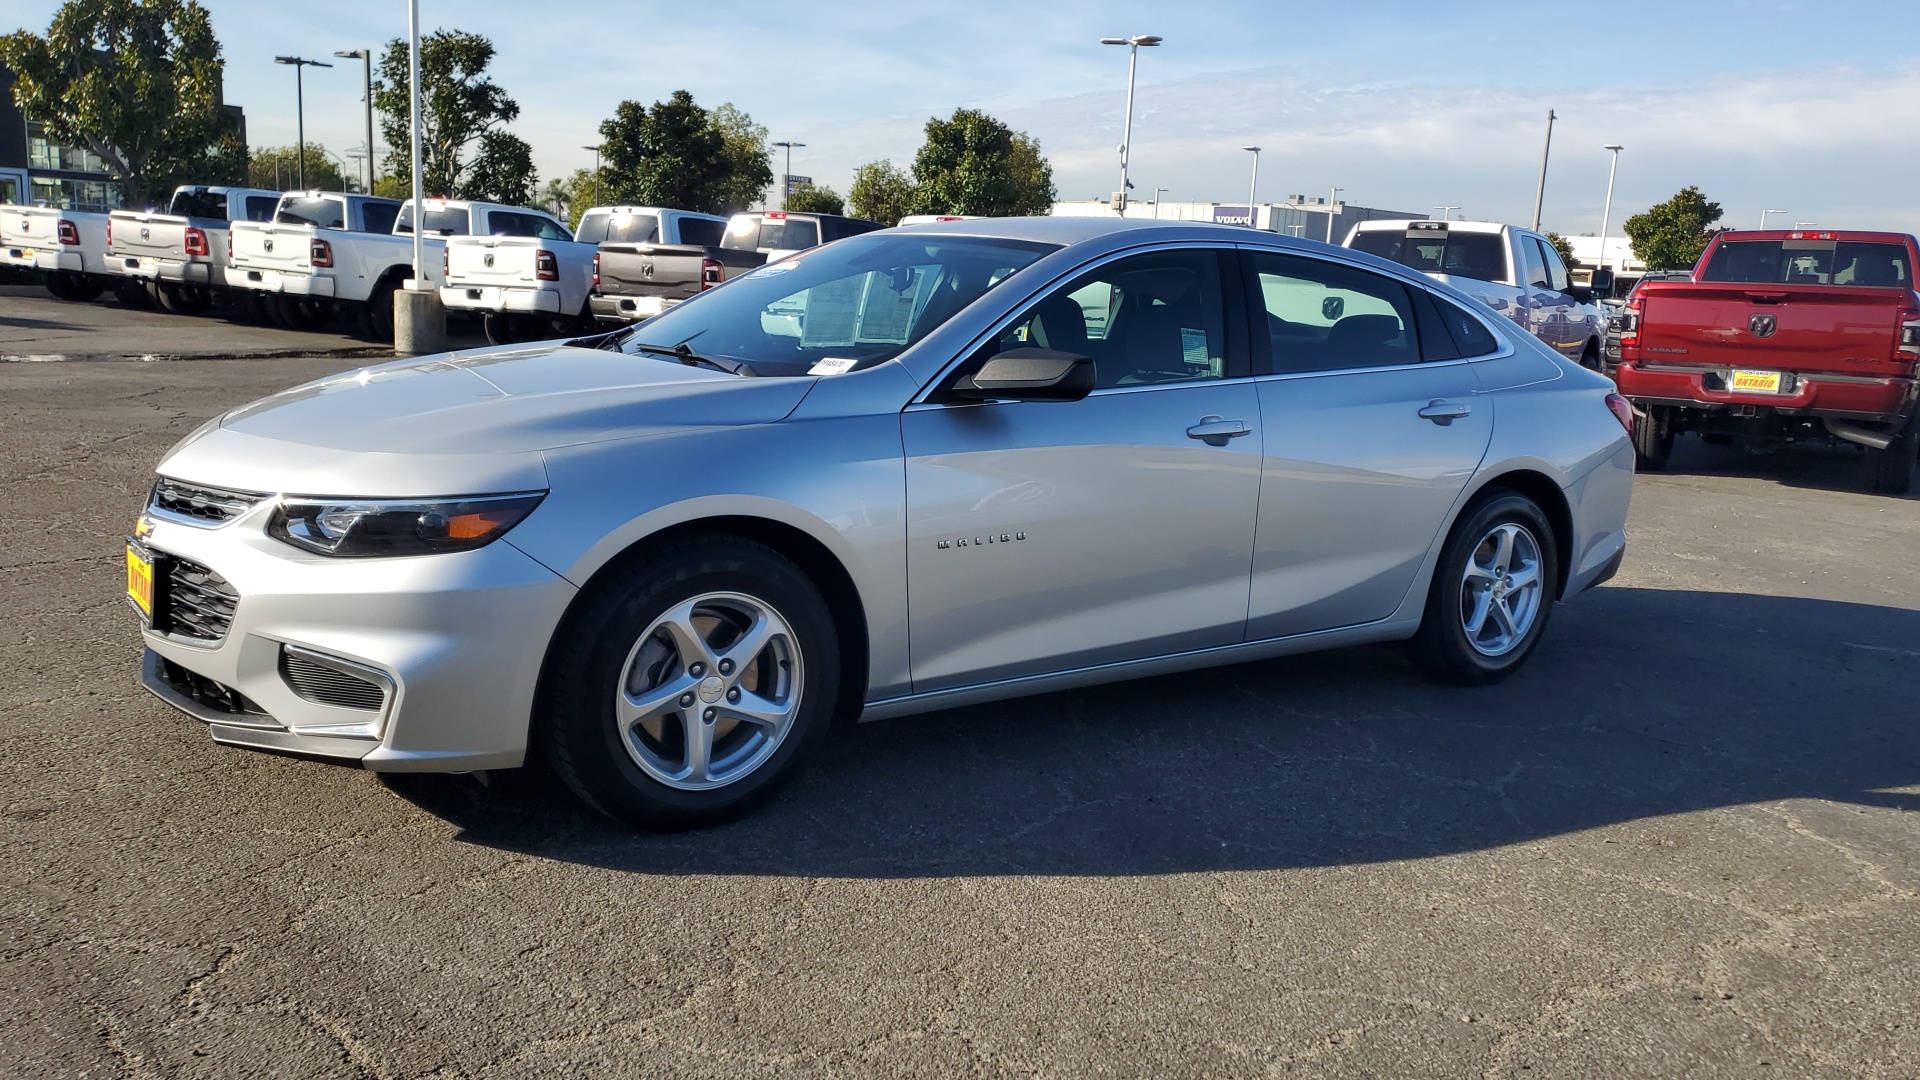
[778,234]
[1781,337]
[1615,310]
[312,272]
[69,246]
[180,253]
[527,277]
[650,258]
[1514,271]
[985,459]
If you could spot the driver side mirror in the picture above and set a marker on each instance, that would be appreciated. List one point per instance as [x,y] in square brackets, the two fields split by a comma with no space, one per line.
[1030,374]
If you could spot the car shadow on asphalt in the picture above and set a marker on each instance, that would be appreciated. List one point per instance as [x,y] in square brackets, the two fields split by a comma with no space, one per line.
[1811,466]
[1640,703]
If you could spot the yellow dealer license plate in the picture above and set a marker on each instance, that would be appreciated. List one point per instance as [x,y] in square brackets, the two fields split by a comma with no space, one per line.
[140,579]
[1755,382]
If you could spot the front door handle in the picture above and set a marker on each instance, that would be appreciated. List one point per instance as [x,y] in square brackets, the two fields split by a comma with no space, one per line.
[1215,432]
[1445,412]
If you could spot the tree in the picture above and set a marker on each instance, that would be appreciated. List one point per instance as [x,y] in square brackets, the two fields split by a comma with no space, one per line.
[1560,245]
[277,168]
[814,199]
[682,156]
[572,197]
[974,164]
[138,82]
[1671,235]
[462,112]
[881,192]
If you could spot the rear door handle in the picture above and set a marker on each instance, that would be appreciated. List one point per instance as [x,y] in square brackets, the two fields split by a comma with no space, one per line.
[1215,432]
[1445,412]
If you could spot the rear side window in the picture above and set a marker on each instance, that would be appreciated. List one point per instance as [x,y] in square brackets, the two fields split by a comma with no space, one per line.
[378,217]
[1468,335]
[701,231]
[319,213]
[260,207]
[1324,316]
[1810,262]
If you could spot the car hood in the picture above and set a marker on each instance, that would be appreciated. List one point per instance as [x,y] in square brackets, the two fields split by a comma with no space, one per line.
[465,422]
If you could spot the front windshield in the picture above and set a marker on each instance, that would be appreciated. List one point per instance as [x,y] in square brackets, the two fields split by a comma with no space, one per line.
[854,303]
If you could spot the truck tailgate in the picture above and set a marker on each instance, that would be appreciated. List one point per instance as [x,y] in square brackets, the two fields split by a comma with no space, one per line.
[1829,328]
[671,270]
[136,234]
[263,246]
[491,260]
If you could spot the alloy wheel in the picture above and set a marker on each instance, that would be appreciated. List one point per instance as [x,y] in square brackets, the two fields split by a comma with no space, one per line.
[1500,592]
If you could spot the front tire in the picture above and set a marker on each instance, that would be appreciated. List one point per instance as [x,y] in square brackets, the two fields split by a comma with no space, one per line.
[1492,593]
[686,687]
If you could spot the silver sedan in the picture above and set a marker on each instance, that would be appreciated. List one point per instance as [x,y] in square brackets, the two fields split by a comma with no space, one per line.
[910,470]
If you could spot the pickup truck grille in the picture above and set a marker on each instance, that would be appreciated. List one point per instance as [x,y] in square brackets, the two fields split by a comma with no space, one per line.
[197,504]
[199,603]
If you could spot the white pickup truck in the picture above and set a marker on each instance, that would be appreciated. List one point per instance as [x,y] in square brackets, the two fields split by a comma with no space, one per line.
[1514,271]
[315,271]
[180,254]
[69,245]
[526,276]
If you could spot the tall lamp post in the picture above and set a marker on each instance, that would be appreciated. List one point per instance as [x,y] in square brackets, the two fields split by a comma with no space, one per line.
[1540,193]
[1333,203]
[786,178]
[366,58]
[1445,210]
[1253,215]
[1157,192]
[1134,44]
[300,107]
[1606,215]
[1763,216]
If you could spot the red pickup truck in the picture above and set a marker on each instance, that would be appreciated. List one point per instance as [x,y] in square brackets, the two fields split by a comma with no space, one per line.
[1781,337]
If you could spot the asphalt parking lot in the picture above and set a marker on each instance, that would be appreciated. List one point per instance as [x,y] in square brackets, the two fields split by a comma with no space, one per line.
[1685,841]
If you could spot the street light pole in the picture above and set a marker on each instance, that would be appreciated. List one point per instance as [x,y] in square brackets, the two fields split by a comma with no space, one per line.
[366,56]
[786,178]
[1133,44]
[1445,210]
[1606,215]
[596,156]
[1333,200]
[1253,215]
[1540,193]
[1157,192]
[300,107]
[1763,216]
[413,90]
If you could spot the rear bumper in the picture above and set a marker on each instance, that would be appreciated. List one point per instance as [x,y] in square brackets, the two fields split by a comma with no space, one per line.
[27,258]
[1851,397]
[626,309]
[157,269]
[280,281]
[528,300]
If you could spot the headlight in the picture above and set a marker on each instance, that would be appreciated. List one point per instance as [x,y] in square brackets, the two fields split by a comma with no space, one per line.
[369,527]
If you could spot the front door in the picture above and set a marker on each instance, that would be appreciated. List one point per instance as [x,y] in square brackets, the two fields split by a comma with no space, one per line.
[1371,435]
[1047,536]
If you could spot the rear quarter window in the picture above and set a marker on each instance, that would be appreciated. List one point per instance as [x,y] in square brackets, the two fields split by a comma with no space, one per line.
[700,231]
[378,217]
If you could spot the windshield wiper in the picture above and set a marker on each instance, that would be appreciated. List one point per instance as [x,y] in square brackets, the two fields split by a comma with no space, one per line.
[687,356]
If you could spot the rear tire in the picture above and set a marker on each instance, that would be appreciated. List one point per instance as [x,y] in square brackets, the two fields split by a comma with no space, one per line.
[62,286]
[1653,440]
[607,714]
[376,315]
[1890,471]
[178,299]
[1492,593]
[133,294]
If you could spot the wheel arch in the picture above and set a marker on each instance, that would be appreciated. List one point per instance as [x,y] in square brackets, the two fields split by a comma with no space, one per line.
[1552,500]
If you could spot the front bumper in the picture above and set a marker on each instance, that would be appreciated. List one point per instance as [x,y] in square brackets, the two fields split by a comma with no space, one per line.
[456,641]
[626,309]
[278,281]
[1851,397]
[526,299]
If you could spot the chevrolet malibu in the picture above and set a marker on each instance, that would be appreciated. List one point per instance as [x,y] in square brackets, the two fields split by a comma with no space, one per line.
[907,471]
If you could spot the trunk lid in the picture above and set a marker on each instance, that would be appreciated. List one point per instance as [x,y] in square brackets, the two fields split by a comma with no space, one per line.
[1830,328]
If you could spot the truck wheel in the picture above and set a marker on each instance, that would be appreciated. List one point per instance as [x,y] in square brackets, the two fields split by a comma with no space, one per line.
[133,294]
[180,299]
[1653,440]
[1590,357]
[689,683]
[1492,592]
[376,315]
[63,286]
[1891,469]
[500,327]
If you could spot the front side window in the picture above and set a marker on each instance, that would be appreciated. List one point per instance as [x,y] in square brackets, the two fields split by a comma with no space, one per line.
[1144,320]
[1325,316]
[1536,264]
[1556,270]
[855,304]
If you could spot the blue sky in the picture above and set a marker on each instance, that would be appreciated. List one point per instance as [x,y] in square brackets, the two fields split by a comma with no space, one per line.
[1808,107]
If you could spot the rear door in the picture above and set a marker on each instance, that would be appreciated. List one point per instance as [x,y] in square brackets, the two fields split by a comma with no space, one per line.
[1371,435]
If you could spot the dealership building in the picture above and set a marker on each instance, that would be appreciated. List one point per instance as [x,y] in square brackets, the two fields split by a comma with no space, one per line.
[1300,215]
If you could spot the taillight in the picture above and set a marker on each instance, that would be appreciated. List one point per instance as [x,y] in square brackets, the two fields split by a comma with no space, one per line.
[775,215]
[1630,328]
[545,266]
[69,233]
[1622,411]
[596,271]
[109,232]
[321,252]
[446,264]
[196,241]
[229,245]
[711,274]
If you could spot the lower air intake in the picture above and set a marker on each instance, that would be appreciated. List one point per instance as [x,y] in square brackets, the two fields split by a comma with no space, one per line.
[326,681]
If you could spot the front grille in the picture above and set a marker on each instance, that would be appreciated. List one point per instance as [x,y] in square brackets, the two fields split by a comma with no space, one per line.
[211,696]
[197,504]
[325,684]
[199,603]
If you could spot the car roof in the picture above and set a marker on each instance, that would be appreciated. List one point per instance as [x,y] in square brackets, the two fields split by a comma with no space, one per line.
[1384,224]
